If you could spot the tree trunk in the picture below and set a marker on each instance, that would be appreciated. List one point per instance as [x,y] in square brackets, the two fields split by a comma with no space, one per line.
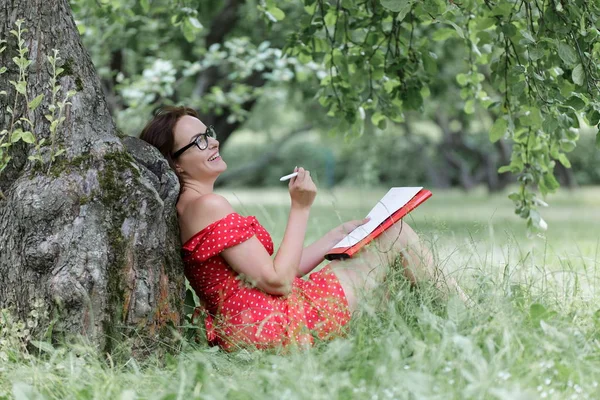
[94,235]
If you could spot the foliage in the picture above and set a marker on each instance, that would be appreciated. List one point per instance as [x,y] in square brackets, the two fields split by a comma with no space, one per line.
[164,64]
[532,64]
[22,128]
[15,335]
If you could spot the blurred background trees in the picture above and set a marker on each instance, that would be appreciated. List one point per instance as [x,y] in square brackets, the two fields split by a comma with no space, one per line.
[261,73]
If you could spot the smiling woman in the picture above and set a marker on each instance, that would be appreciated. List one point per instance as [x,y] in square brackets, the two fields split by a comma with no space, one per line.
[254,299]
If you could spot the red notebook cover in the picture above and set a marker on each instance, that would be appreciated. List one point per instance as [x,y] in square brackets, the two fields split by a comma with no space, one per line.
[347,252]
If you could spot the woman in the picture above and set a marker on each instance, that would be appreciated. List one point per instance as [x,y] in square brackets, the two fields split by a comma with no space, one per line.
[253,299]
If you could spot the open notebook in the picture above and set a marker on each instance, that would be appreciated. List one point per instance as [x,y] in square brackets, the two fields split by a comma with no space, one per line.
[392,207]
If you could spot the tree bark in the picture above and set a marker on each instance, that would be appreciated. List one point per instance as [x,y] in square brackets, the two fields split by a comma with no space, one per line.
[96,237]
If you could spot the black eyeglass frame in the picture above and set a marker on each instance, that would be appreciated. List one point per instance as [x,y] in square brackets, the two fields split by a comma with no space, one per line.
[210,132]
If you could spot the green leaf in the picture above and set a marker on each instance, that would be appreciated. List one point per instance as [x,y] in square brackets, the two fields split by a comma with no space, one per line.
[458,29]
[33,104]
[397,5]
[21,87]
[564,160]
[277,13]
[195,23]
[28,137]
[188,30]
[575,102]
[443,34]
[528,38]
[470,106]
[16,136]
[462,79]
[485,23]
[43,346]
[567,53]
[377,117]
[532,117]
[498,130]
[593,117]
[550,181]
[145,5]
[567,145]
[537,311]
[578,75]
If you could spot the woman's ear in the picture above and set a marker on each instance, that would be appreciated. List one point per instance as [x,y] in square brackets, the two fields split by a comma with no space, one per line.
[178,169]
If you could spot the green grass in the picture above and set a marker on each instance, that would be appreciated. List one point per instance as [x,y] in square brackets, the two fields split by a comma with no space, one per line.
[534,333]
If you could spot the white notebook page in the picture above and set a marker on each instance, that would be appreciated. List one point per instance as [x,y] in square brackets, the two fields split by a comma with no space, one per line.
[394,199]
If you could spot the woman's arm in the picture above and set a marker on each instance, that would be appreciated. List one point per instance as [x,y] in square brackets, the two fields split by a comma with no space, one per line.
[314,254]
[249,258]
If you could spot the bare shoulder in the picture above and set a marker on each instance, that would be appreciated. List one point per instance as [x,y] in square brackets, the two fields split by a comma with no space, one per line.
[203,211]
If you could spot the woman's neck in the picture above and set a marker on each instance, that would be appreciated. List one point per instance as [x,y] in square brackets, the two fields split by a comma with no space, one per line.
[199,187]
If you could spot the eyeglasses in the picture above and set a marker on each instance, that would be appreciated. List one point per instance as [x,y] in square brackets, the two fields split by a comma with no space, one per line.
[201,141]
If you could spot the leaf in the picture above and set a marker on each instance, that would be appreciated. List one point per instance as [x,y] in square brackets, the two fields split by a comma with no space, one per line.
[16,136]
[532,117]
[593,117]
[443,34]
[188,31]
[33,104]
[498,130]
[195,23]
[550,181]
[537,311]
[189,304]
[397,5]
[43,346]
[485,23]
[567,53]
[578,75]
[145,5]
[567,145]
[377,117]
[462,79]
[458,29]
[470,106]
[528,38]
[564,160]
[28,137]
[21,87]
[277,13]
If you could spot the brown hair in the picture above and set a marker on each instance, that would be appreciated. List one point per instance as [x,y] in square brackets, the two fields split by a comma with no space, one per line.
[159,132]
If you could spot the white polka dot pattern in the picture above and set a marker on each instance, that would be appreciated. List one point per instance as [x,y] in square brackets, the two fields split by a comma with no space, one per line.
[242,316]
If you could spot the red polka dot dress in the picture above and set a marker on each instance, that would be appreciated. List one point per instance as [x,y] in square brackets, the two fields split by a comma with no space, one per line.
[240,315]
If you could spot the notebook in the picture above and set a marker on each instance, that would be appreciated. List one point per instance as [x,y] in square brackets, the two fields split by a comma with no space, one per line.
[392,207]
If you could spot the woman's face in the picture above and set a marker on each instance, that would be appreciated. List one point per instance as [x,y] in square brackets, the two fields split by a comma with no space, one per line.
[193,162]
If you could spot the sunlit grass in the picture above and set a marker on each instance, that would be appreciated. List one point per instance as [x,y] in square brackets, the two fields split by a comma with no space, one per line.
[533,333]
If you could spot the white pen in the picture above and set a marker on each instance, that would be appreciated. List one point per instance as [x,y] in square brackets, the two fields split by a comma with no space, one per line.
[287,177]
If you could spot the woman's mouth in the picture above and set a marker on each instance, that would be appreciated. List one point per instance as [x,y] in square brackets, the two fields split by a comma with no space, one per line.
[215,157]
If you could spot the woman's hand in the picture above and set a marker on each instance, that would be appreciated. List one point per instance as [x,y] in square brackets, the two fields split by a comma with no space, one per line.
[302,189]
[344,229]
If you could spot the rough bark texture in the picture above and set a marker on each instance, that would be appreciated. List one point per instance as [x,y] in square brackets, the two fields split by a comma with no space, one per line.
[96,237]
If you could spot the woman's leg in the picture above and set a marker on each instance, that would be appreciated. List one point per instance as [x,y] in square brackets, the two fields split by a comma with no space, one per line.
[367,269]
